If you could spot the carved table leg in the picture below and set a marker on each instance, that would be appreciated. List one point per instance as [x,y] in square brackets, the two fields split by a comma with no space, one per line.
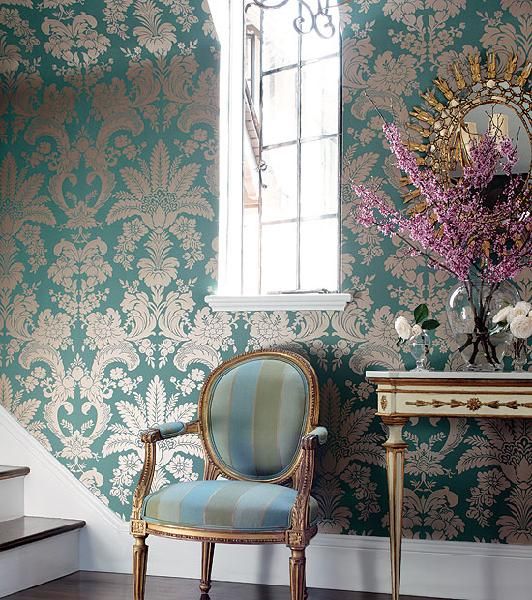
[395,463]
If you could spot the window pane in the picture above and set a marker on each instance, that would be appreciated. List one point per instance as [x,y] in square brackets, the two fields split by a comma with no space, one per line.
[250,255]
[319,255]
[280,107]
[319,177]
[279,257]
[280,38]
[290,144]
[279,193]
[313,46]
[320,85]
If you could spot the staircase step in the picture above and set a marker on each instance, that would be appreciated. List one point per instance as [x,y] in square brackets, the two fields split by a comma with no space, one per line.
[25,530]
[12,492]
[35,550]
[7,472]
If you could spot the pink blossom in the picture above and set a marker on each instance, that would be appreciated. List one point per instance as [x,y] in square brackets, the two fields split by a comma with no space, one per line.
[459,231]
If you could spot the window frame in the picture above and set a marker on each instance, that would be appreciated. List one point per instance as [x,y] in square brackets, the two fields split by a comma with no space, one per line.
[231,214]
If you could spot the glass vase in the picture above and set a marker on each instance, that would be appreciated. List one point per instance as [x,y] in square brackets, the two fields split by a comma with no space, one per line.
[470,309]
[419,347]
[518,352]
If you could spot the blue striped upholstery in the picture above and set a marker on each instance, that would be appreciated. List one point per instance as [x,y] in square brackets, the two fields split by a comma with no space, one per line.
[170,430]
[257,414]
[224,505]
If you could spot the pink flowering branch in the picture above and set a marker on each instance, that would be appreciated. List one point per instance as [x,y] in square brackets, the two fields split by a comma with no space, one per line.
[459,231]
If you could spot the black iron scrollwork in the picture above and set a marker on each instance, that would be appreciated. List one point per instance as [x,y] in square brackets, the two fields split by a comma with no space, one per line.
[317,18]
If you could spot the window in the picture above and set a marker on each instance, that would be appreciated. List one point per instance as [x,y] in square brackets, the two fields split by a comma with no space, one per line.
[280,150]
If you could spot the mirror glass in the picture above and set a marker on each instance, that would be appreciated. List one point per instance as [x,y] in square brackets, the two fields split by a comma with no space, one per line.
[498,119]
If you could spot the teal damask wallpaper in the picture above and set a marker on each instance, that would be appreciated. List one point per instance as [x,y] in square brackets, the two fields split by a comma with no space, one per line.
[108,170]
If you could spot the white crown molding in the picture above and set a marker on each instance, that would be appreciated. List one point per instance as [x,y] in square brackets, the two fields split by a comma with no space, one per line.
[430,568]
[274,302]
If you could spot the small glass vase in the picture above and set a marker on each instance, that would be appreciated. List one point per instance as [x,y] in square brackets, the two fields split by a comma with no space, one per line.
[519,354]
[419,347]
[470,309]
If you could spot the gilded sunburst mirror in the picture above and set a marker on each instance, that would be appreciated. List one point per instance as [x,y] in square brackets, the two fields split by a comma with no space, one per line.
[479,96]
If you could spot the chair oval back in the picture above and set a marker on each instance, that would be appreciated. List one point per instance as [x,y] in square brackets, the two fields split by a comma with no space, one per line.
[254,410]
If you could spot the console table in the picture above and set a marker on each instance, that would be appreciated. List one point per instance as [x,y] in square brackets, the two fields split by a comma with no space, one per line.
[405,394]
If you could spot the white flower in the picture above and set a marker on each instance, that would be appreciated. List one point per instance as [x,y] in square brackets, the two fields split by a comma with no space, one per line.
[211,329]
[402,326]
[104,330]
[504,315]
[509,313]
[117,373]
[522,309]
[197,375]
[187,386]
[521,327]
[416,330]
[270,329]
[39,372]
[182,468]
[77,373]
[126,385]
[53,330]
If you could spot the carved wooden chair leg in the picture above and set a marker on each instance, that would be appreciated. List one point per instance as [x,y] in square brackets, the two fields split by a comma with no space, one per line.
[140,560]
[297,574]
[207,555]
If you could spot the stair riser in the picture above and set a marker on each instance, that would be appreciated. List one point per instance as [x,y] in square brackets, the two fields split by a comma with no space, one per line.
[39,562]
[11,498]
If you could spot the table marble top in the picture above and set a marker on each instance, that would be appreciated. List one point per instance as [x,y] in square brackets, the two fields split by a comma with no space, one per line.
[449,375]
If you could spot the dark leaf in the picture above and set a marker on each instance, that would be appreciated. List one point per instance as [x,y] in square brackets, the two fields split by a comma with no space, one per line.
[430,324]
[421,313]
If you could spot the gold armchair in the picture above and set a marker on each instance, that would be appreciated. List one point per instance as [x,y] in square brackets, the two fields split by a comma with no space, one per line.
[258,417]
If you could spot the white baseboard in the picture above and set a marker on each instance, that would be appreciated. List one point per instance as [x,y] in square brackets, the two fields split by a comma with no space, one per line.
[38,562]
[458,570]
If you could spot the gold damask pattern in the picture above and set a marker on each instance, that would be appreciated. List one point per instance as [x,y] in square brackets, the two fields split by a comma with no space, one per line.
[108,171]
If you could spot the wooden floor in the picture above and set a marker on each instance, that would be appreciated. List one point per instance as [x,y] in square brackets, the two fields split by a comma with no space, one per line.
[109,586]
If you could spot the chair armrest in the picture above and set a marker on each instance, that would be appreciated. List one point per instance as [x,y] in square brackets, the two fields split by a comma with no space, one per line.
[150,439]
[166,431]
[309,443]
[303,481]
[320,433]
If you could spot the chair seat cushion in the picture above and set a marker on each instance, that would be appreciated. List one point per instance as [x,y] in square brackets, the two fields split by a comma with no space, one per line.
[225,505]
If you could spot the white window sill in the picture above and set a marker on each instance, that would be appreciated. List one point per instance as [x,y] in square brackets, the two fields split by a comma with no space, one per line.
[273,302]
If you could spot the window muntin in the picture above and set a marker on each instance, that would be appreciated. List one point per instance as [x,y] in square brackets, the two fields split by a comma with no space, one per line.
[290,148]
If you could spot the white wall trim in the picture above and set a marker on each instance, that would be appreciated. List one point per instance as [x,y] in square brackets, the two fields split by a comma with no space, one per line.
[272,302]
[458,570]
